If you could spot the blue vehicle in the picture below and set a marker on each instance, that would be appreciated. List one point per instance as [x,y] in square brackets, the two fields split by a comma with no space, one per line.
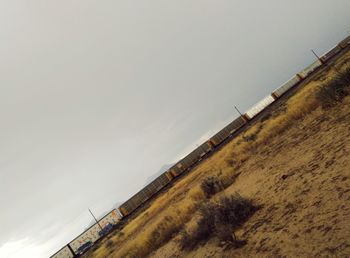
[106,230]
[83,248]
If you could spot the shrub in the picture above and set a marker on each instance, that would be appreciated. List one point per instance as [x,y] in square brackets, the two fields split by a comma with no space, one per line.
[203,230]
[109,243]
[249,138]
[335,90]
[211,185]
[224,234]
[233,210]
[219,219]
[230,162]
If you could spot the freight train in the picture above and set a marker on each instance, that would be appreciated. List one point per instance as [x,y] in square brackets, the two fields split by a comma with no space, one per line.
[195,156]
[210,145]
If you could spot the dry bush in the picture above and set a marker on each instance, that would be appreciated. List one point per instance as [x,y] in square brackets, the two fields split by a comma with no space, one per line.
[234,210]
[211,185]
[219,219]
[230,162]
[204,228]
[109,243]
[249,138]
[335,90]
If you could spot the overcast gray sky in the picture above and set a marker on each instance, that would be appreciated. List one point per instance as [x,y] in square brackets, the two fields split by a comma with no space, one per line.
[97,95]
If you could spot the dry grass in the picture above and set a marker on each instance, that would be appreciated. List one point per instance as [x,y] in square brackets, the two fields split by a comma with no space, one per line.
[167,215]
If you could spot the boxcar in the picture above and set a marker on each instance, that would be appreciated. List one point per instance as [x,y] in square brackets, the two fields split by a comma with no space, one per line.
[308,70]
[91,234]
[286,86]
[63,253]
[145,194]
[195,155]
[260,106]
[191,159]
[329,54]
[224,133]
[345,42]
[177,169]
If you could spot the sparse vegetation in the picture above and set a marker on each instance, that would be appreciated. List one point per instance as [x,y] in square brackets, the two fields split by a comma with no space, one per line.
[335,90]
[249,138]
[219,219]
[211,185]
[109,243]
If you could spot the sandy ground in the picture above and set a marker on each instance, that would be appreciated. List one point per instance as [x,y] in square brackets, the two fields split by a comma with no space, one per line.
[302,181]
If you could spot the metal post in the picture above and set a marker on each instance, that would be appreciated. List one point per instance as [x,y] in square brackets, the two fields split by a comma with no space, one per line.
[95,219]
[71,249]
[238,111]
[316,55]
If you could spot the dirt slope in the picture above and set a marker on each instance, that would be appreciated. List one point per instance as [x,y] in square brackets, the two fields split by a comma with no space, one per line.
[302,179]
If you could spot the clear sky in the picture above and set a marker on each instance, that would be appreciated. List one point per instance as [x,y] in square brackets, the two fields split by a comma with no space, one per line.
[97,95]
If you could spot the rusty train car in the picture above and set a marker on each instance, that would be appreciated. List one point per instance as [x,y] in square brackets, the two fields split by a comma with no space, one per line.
[190,160]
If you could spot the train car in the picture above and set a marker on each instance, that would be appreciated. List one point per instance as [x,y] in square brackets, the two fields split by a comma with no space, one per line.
[177,169]
[191,158]
[224,133]
[204,149]
[260,106]
[195,155]
[64,252]
[145,194]
[120,214]
[308,70]
[345,42]
[286,86]
[90,235]
[112,217]
[329,54]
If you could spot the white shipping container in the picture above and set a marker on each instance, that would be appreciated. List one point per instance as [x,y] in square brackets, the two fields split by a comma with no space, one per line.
[260,106]
[304,73]
[110,218]
[90,235]
[286,86]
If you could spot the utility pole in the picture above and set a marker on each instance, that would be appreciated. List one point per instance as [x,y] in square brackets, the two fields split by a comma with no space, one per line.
[238,111]
[316,55]
[71,250]
[95,219]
